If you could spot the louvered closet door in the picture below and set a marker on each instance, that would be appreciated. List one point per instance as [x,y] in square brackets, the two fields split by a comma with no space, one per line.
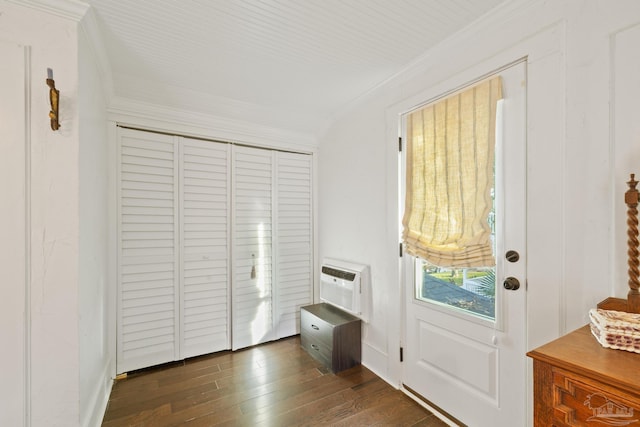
[294,248]
[205,247]
[252,321]
[147,254]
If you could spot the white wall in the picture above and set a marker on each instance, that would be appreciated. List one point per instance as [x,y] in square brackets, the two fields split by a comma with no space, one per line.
[64,333]
[354,217]
[625,138]
[574,49]
[95,360]
[53,263]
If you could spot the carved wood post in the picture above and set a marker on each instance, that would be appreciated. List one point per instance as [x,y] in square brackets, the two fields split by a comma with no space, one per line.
[631,199]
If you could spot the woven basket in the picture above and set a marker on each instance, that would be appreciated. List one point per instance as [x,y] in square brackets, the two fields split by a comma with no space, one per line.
[616,329]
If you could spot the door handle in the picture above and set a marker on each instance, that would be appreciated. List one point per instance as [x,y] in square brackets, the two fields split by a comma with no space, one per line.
[511,284]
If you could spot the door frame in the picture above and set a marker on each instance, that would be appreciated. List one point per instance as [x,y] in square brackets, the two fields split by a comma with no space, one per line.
[544,50]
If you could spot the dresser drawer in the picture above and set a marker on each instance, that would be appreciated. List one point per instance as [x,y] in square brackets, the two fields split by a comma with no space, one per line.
[317,350]
[578,401]
[315,328]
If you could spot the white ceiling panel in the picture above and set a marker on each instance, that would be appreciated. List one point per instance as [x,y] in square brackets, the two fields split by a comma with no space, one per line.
[304,57]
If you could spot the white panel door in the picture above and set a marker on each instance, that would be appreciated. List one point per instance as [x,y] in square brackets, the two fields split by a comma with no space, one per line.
[293,276]
[13,234]
[204,214]
[465,345]
[252,213]
[148,299]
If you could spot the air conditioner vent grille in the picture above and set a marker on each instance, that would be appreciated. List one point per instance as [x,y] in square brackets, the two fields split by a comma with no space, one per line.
[341,274]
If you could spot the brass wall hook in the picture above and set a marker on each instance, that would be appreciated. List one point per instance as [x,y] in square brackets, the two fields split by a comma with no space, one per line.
[54,100]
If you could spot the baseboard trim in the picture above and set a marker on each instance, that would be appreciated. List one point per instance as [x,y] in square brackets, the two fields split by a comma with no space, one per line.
[99,399]
[375,360]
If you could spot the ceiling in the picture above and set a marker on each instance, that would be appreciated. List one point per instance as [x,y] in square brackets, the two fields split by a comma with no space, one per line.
[292,63]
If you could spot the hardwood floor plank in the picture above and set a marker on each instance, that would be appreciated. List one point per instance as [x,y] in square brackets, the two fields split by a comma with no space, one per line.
[147,403]
[334,404]
[192,400]
[212,409]
[430,421]
[274,384]
[388,409]
[275,404]
[149,417]
[375,391]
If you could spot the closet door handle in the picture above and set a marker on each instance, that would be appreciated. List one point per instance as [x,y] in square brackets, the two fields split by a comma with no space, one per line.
[315,327]
[315,347]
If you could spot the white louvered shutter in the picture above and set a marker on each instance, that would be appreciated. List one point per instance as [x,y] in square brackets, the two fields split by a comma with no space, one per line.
[204,247]
[212,238]
[252,321]
[147,250]
[294,248]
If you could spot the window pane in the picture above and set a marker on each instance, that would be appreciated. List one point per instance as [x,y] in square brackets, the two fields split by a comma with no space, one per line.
[468,289]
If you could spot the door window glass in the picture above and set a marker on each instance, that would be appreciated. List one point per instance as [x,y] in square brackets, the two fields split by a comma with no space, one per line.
[450,216]
[472,290]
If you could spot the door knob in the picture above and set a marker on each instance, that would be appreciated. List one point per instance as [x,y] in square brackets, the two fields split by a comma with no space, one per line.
[511,284]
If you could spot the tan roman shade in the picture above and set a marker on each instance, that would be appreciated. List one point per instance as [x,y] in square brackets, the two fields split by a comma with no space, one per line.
[450,173]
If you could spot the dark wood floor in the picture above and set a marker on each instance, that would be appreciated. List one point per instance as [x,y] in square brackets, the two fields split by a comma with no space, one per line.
[275,384]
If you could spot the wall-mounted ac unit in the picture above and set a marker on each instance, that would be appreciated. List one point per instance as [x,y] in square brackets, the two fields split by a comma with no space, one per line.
[345,285]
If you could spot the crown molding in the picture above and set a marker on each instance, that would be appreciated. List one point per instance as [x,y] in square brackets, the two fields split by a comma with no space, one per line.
[179,98]
[69,9]
[143,115]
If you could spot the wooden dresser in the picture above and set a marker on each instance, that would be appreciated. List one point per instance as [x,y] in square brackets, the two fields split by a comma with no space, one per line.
[331,336]
[577,382]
